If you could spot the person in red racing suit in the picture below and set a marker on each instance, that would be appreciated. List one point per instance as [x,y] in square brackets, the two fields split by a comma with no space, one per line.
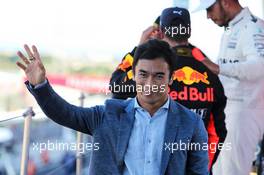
[194,85]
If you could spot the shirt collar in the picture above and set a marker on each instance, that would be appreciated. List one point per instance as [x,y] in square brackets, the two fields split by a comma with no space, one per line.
[240,16]
[165,106]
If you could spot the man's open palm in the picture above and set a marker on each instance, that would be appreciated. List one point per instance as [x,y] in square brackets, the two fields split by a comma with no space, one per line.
[32,66]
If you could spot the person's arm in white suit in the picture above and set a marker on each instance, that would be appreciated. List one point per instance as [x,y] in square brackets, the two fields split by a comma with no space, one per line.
[252,47]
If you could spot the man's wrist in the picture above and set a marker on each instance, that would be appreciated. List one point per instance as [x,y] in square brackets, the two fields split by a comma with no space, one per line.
[39,85]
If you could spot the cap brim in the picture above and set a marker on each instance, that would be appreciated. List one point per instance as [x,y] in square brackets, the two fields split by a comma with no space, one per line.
[203,6]
[157,22]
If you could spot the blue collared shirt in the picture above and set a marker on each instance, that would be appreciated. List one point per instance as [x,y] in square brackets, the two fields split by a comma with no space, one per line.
[144,152]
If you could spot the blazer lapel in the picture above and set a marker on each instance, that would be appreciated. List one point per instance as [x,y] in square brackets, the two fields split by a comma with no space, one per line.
[172,124]
[125,128]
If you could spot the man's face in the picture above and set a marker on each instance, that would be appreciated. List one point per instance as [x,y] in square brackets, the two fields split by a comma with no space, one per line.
[152,79]
[217,14]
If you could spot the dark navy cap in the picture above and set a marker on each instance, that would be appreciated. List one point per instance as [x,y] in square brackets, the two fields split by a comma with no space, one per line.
[168,15]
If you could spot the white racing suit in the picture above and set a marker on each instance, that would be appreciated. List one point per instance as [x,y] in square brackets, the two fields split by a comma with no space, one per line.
[241,61]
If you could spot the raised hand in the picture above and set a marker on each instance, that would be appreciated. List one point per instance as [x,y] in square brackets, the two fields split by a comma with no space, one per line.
[151,32]
[33,67]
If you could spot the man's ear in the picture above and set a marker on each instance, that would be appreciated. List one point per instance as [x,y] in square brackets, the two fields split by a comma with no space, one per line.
[133,74]
[170,81]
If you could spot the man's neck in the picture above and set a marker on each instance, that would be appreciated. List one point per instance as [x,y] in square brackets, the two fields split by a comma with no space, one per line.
[177,43]
[234,11]
[152,108]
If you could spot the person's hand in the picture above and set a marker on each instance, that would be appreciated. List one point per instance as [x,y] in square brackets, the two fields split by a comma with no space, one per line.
[151,32]
[33,67]
[211,65]
[199,56]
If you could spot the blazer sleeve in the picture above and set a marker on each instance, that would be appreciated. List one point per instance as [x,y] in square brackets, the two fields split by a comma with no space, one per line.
[85,120]
[197,162]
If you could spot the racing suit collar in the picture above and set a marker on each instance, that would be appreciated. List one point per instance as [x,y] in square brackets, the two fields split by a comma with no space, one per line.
[239,17]
[182,46]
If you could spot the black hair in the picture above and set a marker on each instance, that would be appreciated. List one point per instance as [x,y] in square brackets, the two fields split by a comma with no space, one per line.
[152,50]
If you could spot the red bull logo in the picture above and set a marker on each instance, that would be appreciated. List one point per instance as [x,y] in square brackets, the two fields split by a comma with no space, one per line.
[192,94]
[188,76]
